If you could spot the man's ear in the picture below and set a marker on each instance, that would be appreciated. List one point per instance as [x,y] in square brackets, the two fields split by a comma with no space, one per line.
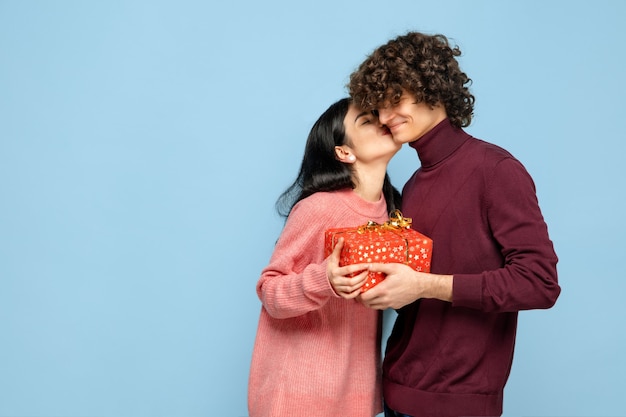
[344,154]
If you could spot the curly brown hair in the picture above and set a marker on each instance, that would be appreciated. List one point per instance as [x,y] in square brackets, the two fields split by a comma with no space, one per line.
[423,65]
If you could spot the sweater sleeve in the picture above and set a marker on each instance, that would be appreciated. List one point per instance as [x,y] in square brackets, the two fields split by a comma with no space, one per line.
[528,278]
[295,281]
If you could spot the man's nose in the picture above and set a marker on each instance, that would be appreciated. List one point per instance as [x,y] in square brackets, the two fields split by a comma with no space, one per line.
[384,116]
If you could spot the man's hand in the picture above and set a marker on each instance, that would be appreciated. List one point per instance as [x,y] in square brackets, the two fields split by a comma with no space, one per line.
[403,286]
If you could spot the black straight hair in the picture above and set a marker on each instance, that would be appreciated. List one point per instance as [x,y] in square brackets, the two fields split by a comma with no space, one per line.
[320,170]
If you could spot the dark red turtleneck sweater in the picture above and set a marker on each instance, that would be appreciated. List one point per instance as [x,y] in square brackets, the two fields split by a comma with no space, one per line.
[479,205]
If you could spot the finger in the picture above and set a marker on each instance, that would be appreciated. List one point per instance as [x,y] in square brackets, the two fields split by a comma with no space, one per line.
[351,287]
[356,282]
[337,249]
[354,269]
[373,303]
[366,299]
[387,269]
[350,280]
[372,295]
[353,294]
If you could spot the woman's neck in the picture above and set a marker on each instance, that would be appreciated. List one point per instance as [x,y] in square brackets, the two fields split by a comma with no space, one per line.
[369,183]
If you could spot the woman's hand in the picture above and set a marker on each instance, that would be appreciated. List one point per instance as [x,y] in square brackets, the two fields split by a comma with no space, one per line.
[345,286]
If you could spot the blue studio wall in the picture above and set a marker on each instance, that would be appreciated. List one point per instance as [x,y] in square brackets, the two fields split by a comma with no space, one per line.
[143,144]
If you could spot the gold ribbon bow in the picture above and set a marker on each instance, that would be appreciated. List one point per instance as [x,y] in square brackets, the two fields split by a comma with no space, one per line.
[395,222]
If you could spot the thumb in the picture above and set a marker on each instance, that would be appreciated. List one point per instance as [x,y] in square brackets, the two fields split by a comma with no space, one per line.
[337,249]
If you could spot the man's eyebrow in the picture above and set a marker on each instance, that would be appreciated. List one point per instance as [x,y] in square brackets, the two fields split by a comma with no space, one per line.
[364,113]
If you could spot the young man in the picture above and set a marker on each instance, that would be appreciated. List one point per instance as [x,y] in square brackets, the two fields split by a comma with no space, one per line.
[451,349]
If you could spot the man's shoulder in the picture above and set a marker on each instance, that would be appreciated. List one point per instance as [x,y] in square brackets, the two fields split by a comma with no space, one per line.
[494,162]
[488,151]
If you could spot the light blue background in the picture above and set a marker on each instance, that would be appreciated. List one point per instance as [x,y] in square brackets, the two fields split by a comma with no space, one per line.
[143,144]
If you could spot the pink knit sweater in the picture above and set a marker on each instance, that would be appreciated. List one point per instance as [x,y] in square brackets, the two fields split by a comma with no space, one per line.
[315,354]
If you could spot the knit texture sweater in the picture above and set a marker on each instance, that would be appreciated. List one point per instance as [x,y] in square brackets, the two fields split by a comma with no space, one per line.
[315,353]
[479,205]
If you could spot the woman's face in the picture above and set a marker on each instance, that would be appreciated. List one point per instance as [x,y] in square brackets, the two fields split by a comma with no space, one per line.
[367,138]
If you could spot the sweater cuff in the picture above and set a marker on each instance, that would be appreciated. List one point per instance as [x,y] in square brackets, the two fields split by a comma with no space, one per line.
[330,287]
[320,284]
[467,291]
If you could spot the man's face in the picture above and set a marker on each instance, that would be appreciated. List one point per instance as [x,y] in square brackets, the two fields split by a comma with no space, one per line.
[408,121]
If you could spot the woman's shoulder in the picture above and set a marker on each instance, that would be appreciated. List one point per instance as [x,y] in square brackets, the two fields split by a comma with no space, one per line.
[319,203]
[341,207]
[310,216]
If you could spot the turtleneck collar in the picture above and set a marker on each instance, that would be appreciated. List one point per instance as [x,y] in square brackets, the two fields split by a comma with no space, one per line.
[439,143]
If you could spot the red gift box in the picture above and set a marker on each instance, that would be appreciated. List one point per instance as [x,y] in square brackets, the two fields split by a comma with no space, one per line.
[391,242]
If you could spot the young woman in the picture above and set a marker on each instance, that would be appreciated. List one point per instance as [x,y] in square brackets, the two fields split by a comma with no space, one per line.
[317,350]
